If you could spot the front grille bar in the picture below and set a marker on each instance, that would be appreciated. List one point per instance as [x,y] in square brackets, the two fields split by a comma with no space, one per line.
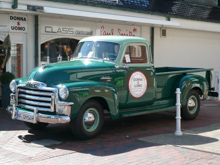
[34,103]
[34,107]
[35,92]
[34,97]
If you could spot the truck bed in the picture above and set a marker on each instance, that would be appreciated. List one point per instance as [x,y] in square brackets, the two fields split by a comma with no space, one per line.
[178,70]
[167,76]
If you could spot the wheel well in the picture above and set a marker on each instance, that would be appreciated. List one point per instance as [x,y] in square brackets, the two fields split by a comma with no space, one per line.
[198,90]
[102,102]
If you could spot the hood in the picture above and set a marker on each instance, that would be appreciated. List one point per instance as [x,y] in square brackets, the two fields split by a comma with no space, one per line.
[77,70]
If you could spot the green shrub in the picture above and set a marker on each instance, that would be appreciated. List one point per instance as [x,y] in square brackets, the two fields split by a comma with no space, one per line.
[6,77]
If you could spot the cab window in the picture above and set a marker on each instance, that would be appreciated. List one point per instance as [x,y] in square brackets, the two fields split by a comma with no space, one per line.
[135,54]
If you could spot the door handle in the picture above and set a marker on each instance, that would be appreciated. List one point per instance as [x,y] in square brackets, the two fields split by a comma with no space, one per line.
[122,67]
[150,69]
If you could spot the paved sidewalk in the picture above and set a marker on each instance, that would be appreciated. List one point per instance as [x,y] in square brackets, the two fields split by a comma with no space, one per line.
[144,139]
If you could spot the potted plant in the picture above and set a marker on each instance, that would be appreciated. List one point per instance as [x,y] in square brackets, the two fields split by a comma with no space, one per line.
[5,80]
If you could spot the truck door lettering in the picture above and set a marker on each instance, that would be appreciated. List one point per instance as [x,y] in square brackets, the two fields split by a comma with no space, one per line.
[137,84]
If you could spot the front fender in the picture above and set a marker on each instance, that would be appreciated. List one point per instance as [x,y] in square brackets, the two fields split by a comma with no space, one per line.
[80,92]
[190,82]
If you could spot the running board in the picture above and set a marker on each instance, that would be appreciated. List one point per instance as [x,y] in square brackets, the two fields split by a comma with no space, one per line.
[146,111]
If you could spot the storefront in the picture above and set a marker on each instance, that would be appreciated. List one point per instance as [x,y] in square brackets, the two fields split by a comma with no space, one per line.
[60,36]
[44,30]
[16,27]
[56,36]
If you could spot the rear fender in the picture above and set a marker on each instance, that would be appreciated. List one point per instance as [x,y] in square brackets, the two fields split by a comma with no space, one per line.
[190,82]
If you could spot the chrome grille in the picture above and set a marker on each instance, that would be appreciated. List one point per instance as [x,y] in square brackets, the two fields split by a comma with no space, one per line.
[31,99]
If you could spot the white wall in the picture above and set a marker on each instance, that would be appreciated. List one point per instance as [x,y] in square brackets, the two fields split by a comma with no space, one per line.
[146,32]
[187,48]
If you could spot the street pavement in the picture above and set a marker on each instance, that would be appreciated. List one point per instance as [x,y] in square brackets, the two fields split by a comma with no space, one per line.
[147,139]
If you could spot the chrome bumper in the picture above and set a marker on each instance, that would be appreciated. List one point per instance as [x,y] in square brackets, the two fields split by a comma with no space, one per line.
[38,117]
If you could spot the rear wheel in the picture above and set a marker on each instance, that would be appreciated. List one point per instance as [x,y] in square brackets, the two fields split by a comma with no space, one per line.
[191,110]
[37,126]
[89,121]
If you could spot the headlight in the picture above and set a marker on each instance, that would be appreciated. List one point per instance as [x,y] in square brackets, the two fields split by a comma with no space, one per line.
[63,92]
[13,85]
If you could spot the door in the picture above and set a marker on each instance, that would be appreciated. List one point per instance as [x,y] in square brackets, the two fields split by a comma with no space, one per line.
[139,78]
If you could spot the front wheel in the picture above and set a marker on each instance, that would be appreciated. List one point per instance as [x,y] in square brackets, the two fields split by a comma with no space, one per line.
[89,121]
[191,110]
[37,126]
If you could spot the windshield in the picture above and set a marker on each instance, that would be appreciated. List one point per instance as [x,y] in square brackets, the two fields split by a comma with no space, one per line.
[99,50]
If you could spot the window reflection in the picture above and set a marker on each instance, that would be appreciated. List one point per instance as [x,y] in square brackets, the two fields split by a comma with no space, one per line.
[64,47]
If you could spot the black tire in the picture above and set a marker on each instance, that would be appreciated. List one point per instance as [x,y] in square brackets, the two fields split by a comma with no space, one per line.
[37,126]
[93,112]
[191,110]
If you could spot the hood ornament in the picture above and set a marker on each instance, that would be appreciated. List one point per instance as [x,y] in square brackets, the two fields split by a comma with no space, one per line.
[35,84]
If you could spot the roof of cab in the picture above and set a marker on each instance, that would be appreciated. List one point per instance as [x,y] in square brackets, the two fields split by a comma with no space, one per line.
[117,39]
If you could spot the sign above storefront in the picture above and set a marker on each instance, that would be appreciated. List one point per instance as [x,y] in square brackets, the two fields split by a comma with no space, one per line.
[17,23]
[59,30]
[118,30]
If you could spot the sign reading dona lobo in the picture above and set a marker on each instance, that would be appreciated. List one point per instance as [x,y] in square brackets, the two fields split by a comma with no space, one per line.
[17,23]
[118,30]
[76,31]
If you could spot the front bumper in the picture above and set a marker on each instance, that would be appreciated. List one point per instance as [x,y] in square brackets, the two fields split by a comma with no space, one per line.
[37,117]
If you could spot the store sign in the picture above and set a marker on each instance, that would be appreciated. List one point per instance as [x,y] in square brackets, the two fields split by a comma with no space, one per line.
[76,31]
[17,23]
[110,30]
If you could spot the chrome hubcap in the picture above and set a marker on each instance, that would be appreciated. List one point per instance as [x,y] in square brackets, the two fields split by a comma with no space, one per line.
[191,104]
[89,119]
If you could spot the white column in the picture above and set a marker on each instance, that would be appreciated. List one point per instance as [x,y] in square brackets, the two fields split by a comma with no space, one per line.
[178,117]
[216,82]
[30,44]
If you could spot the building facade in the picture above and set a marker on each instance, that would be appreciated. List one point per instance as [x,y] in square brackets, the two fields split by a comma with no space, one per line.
[40,31]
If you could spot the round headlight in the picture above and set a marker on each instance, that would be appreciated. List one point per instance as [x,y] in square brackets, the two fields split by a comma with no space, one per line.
[13,85]
[63,92]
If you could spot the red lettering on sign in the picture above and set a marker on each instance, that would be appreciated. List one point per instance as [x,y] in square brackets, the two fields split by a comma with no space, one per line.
[121,32]
[105,33]
[125,34]
[18,23]
[135,30]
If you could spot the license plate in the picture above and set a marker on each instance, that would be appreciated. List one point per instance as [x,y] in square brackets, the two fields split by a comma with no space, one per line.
[25,116]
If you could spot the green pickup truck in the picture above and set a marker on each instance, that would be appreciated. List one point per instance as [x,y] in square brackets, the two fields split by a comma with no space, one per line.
[113,73]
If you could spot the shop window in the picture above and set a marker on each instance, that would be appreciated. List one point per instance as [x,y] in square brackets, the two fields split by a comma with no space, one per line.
[16,59]
[135,54]
[64,47]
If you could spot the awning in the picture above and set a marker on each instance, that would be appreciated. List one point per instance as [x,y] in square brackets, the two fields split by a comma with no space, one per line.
[111,17]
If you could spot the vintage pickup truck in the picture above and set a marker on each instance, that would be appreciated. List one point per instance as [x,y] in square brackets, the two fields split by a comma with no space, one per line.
[113,73]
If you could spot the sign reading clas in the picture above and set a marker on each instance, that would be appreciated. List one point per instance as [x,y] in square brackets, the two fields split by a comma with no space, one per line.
[78,31]
[17,23]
